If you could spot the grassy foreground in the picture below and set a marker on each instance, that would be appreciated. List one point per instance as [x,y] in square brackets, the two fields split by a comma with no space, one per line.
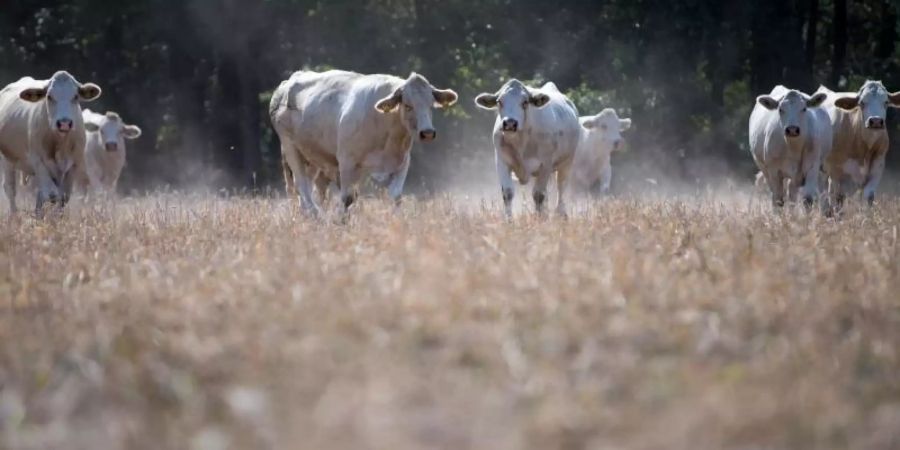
[196,322]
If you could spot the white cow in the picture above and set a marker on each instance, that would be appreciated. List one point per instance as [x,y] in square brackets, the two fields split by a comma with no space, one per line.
[345,125]
[104,154]
[535,135]
[42,134]
[600,136]
[860,139]
[789,136]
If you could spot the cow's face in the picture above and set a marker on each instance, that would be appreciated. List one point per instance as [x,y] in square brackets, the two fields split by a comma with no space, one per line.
[62,96]
[512,102]
[113,131]
[606,129]
[413,100]
[872,100]
[792,110]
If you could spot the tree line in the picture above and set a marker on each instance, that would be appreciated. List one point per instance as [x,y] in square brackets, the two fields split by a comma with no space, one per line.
[197,75]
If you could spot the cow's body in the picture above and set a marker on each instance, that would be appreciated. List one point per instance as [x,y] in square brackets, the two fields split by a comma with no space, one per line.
[860,139]
[600,136]
[343,125]
[789,136]
[42,134]
[535,135]
[105,153]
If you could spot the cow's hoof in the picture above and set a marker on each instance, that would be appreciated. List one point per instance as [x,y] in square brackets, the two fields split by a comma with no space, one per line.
[870,200]
[808,202]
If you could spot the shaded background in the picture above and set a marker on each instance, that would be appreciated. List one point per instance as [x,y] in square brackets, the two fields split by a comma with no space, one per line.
[196,75]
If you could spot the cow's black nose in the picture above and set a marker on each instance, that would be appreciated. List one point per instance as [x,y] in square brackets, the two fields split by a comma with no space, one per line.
[510,124]
[427,135]
[875,123]
[792,131]
[64,124]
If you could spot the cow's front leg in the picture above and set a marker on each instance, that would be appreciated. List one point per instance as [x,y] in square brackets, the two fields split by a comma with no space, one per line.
[605,179]
[349,177]
[810,187]
[47,189]
[66,185]
[539,193]
[562,183]
[776,186]
[507,188]
[395,188]
[9,183]
[874,178]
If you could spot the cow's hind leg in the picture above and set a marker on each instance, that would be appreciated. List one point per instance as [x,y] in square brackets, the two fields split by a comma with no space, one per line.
[9,183]
[562,183]
[301,170]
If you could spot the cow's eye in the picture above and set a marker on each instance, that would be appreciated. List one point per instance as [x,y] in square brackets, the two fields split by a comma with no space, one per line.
[780,110]
[74,99]
[500,103]
[804,109]
[604,127]
[407,108]
[525,104]
[51,99]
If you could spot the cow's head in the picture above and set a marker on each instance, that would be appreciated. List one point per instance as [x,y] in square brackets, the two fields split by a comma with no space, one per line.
[414,100]
[872,99]
[113,131]
[62,95]
[512,102]
[792,109]
[605,129]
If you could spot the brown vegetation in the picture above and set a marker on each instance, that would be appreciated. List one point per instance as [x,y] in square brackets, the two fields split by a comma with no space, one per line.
[177,321]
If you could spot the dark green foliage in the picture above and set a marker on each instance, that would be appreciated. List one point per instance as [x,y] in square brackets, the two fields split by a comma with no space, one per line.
[197,74]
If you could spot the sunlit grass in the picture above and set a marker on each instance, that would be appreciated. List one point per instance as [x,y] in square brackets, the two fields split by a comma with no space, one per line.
[193,321]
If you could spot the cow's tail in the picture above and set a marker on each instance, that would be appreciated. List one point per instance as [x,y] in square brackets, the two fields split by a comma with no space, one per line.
[289,187]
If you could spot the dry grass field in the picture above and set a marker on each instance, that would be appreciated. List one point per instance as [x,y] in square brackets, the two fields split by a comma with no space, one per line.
[201,322]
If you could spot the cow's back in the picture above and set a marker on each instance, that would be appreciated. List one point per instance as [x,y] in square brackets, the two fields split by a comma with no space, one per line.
[17,117]
[555,125]
[312,107]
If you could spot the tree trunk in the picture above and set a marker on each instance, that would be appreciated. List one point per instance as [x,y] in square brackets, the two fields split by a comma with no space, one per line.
[839,55]
[812,25]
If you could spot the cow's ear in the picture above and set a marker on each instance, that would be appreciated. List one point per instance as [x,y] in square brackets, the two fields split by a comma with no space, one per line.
[847,102]
[816,100]
[33,95]
[91,126]
[486,101]
[131,131]
[894,99]
[767,102]
[624,124]
[539,99]
[389,103]
[89,92]
[444,98]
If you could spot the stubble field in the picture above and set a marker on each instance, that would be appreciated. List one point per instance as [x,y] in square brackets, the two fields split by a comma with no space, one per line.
[199,322]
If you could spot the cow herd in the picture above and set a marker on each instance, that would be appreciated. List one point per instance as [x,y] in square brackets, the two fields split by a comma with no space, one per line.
[339,128]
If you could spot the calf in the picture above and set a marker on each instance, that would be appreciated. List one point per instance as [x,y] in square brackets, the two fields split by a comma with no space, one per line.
[600,136]
[104,154]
